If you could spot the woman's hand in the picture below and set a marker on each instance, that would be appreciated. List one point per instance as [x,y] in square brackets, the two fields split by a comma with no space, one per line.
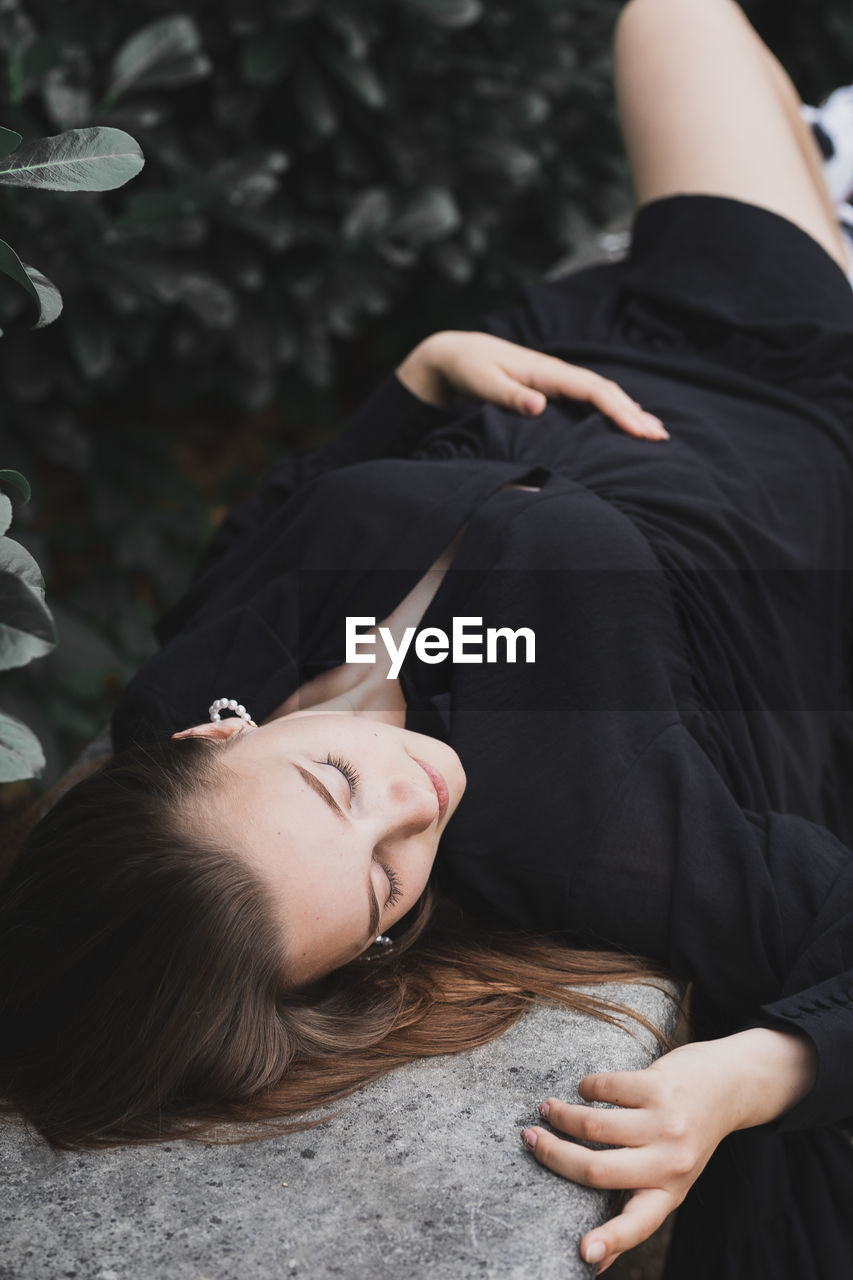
[515,377]
[666,1124]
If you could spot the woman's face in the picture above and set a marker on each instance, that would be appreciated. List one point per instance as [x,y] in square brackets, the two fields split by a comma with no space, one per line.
[344,857]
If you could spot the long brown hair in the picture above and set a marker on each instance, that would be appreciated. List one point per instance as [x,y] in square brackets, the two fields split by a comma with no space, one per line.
[141,995]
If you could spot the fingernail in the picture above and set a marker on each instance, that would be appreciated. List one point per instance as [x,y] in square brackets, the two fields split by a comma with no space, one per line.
[656,425]
[544,1109]
[639,422]
[528,1137]
[596,1251]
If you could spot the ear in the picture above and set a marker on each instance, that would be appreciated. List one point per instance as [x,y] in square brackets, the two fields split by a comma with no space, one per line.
[216,729]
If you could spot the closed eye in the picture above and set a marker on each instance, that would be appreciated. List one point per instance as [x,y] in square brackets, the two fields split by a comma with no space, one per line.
[396,887]
[347,769]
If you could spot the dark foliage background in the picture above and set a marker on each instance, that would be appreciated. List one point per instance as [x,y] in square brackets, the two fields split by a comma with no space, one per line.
[326,182]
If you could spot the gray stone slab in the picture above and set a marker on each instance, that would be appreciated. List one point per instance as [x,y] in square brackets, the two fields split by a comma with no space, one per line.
[422,1174]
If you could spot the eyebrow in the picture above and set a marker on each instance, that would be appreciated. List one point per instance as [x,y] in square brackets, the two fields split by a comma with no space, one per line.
[316,785]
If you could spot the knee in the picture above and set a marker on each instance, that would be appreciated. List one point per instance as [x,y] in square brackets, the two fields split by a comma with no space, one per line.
[674,11]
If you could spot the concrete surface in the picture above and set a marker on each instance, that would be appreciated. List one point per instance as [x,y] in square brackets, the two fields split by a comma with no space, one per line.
[423,1175]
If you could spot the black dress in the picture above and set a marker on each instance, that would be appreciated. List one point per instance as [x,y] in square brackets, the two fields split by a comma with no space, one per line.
[671,774]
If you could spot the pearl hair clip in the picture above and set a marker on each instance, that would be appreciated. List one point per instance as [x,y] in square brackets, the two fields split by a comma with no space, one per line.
[229,704]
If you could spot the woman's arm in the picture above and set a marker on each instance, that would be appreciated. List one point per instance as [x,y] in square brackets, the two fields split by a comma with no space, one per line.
[390,423]
[756,908]
[664,1123]
[411,400]
[516,378]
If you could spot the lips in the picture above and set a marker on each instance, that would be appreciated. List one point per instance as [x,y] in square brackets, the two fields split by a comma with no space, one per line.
[437,780]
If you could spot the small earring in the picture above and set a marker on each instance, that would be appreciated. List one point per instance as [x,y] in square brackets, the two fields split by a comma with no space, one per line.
[230,704]
[385,942]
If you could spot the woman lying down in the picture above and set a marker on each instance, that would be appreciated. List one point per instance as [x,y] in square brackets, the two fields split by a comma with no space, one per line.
[331,841]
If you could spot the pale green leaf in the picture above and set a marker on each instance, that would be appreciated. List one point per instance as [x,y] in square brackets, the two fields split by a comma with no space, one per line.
[447,13]
[97,159]
[27,629]
[166,51]
[15,559]
[11,265]
[21,754]
[50,299]
[20,482]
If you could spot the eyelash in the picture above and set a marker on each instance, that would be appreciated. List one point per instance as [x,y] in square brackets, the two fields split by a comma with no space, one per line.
[394,882]
[353,778]
[348,770]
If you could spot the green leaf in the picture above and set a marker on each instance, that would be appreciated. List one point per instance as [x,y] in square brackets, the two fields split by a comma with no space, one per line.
[68,103]
[165,52]
[97,159]
[16,560]
[447,13]
[502,156]
[21,755]
[50,299]
[356,31]
[432,215]
[9,140]
[356,75]
[20,482]
[368,215]
[27,629]
[11,265]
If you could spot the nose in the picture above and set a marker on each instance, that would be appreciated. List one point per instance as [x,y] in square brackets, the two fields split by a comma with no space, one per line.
[410,806]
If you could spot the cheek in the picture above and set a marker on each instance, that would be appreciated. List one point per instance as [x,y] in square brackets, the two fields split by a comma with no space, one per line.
[331,931]
[321,896]
[414,878]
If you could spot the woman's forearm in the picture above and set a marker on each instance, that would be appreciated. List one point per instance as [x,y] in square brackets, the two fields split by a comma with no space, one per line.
[769,1072]
[420,373]
[520,379]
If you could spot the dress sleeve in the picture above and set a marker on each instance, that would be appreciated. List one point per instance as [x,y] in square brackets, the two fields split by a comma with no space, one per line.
[755,908]
[389,424]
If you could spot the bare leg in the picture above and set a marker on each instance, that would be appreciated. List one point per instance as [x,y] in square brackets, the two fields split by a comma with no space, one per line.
[790,101]
[705,108]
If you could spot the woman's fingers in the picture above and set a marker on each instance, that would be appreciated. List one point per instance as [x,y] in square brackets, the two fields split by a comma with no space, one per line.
[616,1127]
[642,1213]
[608,397]
[521,379]
[626,413]
[521,396]
[612,1169]
[553,377]
[623,1088]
